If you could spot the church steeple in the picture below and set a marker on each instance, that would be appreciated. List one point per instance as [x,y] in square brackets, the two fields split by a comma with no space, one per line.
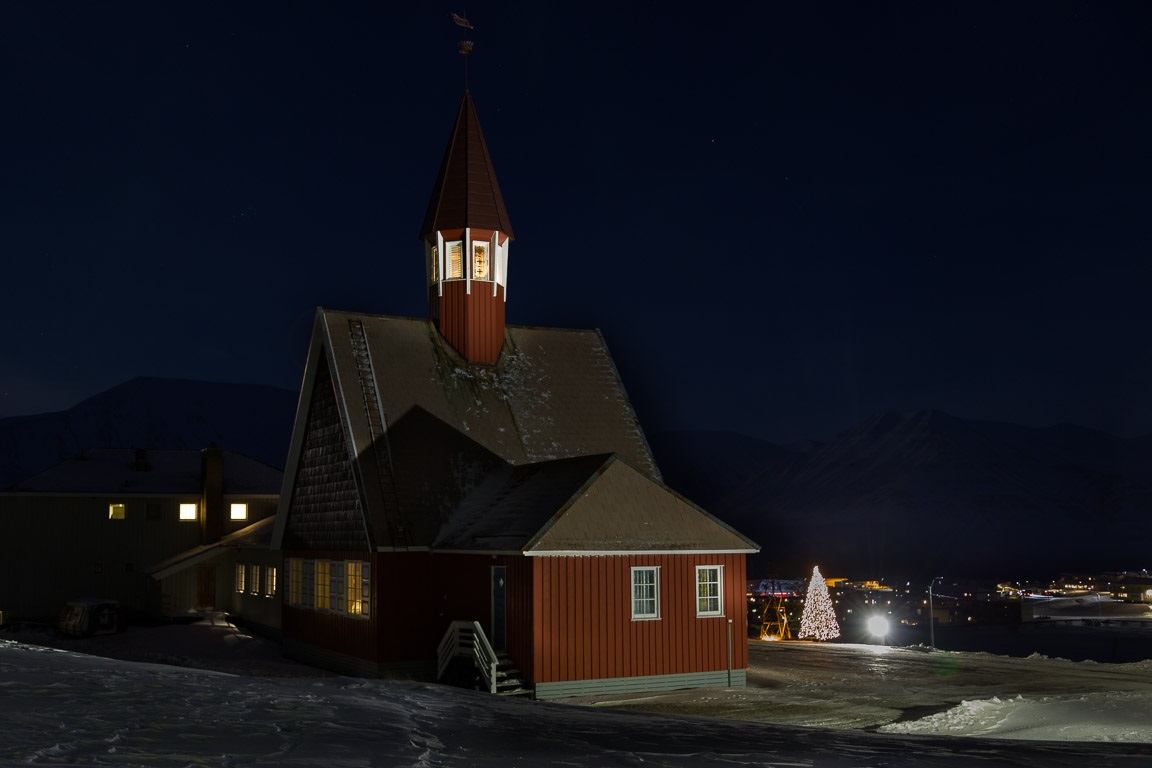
[466,234]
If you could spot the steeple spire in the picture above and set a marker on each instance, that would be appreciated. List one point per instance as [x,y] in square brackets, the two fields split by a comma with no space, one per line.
[466,233]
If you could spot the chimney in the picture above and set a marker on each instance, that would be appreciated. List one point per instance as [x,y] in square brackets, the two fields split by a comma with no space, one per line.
[140,464]
[212,500]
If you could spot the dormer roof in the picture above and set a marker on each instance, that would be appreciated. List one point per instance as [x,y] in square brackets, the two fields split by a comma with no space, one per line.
[466,192]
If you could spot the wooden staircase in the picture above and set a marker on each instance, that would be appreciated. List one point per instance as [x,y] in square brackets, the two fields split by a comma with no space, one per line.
[488,670]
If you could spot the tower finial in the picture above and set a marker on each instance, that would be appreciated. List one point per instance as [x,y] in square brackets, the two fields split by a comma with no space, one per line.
[464,46]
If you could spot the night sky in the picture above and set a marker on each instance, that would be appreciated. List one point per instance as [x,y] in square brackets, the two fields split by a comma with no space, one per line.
[783,216]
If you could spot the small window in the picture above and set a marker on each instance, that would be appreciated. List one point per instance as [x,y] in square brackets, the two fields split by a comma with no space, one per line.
[646,593]
[187,511]
[708,590]
[480,270]
[238,511]
[455,260]
[253,579]
[435,264]
[270,582]
[337,600]
[115,511]
[322,585]
[295,582]
[354,579]
[241,571]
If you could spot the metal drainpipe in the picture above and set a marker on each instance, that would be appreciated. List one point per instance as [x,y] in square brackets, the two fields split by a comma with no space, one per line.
[729,653]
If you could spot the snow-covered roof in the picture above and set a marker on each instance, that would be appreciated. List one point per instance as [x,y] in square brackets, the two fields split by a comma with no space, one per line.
[255,536]
[162,472]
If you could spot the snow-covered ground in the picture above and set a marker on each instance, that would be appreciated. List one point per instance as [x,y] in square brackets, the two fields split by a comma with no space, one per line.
[829,705]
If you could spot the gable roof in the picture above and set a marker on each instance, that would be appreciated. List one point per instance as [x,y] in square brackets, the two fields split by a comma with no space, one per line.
[584,505]
[554,394]
[164,472]
[466,192]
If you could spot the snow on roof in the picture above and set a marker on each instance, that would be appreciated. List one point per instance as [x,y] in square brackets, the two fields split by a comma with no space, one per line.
[166,472]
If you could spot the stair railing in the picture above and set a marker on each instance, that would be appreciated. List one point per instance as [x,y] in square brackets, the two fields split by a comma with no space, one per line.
[467,638]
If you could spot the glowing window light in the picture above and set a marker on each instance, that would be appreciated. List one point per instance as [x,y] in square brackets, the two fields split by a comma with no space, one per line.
[455,260]
[187,511]
[115,511]
[238,511]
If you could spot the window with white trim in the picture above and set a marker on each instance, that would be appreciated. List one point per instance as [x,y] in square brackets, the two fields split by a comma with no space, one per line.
[241,572]
[454,269]
[270,582]
[480,262]
[253,579]
[645,592]
[337,599]
[357,578]
[323,597]
[709,590]
[295,582]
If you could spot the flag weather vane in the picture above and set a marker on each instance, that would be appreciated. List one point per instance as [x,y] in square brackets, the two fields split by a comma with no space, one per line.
[464,46]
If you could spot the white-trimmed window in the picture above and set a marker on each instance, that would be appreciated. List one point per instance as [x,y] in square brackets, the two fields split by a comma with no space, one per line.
[454,269]
[188,511]
[358,580]
[434,259]
[481,263]
[253,579]
[270,582]
[241,572]
[709,590]
[323,584]
[238,511]
[645,592]
[116,511]
[295,581]
[338,599]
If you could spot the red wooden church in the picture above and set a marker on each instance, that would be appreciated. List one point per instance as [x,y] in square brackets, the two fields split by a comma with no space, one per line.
[456,482]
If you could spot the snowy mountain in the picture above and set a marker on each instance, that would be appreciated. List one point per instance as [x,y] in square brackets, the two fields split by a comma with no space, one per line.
[908,494]
[153,413]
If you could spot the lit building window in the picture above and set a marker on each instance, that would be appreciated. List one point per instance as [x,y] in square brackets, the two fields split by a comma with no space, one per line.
[455,260]
[239,511]
[435,264]
[254,579]
[323,584]
[270,582]
[708,591]
[115,511]
[646,593]
[241,572]
[295,582]
[479,261]
[187,511]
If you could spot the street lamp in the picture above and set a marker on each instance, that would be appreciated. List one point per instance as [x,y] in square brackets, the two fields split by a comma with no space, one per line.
[931,615]
[878,627]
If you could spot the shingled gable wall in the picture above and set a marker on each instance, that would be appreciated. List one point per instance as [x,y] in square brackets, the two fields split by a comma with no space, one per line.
[324,511]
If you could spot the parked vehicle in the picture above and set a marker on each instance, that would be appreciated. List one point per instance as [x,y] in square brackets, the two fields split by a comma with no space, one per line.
[91,616]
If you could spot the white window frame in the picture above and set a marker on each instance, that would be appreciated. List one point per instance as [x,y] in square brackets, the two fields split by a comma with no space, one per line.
[484,246]
[451,272]
[254,579]
[338,599]
[640,615]
[717,599]
[270,581]
[241,574]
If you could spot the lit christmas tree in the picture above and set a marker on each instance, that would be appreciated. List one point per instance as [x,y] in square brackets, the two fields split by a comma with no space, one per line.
[819,618]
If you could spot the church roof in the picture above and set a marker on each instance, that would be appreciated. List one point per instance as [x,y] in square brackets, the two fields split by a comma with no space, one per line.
[466,192]
[444,426]
[583,505]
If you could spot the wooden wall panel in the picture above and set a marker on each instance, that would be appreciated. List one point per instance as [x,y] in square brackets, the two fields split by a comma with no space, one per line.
[584,628]
[473,323]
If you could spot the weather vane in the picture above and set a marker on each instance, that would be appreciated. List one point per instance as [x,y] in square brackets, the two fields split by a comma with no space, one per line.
[464,46]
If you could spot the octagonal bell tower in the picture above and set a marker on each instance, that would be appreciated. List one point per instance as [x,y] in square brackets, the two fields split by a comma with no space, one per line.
[466,234]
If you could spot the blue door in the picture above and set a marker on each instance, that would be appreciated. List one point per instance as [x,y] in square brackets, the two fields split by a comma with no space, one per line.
[499,618]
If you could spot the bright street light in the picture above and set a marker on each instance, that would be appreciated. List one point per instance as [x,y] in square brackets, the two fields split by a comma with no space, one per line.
[878,626]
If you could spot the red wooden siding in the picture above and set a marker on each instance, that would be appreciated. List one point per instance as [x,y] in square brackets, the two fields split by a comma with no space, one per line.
[473,323]
[584,628]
